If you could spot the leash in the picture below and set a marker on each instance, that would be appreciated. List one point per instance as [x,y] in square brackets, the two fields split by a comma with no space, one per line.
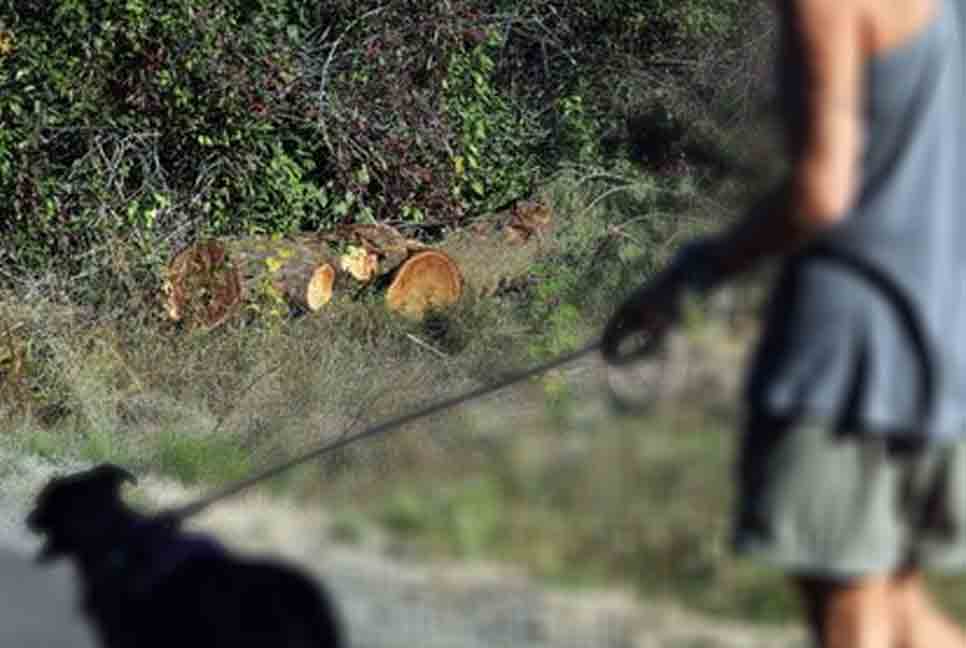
[867,270]
[905,313]
[394,424]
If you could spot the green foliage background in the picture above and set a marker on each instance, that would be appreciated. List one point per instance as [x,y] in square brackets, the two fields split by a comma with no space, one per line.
[154,123]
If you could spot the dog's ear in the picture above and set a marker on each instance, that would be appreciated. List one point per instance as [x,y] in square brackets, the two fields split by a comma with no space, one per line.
[111,476]
[62,493]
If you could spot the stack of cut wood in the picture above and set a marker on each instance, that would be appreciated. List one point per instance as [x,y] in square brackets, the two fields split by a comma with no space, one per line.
[209,281]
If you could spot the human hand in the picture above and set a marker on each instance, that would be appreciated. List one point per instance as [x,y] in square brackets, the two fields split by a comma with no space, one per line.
[650,310]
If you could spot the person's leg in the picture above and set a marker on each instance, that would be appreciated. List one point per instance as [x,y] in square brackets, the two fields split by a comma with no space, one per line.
[919,622]
[851,614]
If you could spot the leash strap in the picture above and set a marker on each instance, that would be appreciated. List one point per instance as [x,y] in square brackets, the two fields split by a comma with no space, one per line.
[906,314]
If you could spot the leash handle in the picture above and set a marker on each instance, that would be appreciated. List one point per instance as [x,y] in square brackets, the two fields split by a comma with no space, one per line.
[694,269]
[623,344]
[625,341]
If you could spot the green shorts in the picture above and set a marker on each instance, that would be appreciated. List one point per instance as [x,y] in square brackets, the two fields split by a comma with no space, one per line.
[815,502]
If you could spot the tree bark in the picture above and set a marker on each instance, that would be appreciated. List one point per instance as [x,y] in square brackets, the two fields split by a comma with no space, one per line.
[202,287]
[303,276]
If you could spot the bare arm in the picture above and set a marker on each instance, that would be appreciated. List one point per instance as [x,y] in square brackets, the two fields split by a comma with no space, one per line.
[817,194]
[824,178]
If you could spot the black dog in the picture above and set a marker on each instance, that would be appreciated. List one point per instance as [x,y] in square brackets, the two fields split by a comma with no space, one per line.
[145,583]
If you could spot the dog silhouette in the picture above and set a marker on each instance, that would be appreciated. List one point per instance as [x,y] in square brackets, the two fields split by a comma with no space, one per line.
[147,583]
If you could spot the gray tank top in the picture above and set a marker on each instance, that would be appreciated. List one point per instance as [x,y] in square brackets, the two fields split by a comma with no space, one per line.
[833,346]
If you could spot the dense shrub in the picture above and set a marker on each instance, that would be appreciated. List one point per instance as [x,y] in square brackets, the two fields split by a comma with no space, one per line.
[142,120]
[152,123]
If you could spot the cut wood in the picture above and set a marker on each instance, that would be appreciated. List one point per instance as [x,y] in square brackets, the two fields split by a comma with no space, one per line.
[12,350]
[209,280]
[525,221]
[497,255]
[202,287]
[360,263]
[303,275]
[529,218]
[426,280]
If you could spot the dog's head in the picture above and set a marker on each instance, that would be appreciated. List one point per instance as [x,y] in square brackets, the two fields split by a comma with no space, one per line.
[75,511]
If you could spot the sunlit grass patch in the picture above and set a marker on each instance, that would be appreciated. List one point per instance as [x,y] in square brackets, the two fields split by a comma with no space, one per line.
[192,459]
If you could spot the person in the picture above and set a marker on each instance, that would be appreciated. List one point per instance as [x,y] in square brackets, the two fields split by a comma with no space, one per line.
[851,473]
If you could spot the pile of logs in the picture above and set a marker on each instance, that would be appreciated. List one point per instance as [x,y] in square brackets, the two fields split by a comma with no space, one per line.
[211,280]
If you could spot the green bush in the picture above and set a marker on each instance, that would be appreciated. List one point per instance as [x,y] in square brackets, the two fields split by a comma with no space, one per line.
[149,122]
[155,123]
[493,164]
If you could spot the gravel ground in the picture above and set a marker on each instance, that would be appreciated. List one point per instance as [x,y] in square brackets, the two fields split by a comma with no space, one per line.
[388,601]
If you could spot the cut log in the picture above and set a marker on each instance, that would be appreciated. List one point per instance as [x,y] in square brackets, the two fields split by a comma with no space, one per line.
[208,281]
[525,221]
[497,255]
[529,218]
[202,287]
[360,263]
[13,357]
[303,276]
[426,280]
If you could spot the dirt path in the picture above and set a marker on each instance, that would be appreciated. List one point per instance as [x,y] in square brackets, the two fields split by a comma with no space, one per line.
[37,606]
[388,602]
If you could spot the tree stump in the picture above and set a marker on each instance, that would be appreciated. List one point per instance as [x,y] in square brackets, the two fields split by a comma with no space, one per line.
[201,286]
[427,280]
[14,391]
